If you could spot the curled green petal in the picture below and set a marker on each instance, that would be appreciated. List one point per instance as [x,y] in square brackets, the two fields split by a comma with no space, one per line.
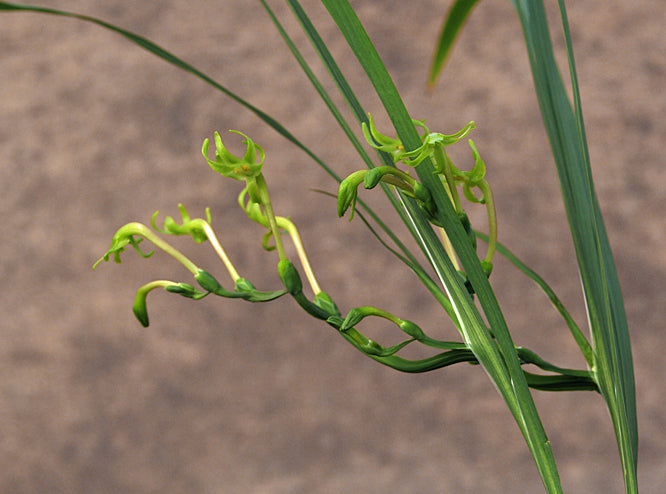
[437,139]
[479,171]
[421,123]
[431,142]
[470,196]
[390,145]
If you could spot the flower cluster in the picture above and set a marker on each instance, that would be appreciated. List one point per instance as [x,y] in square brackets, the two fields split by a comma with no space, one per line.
[432,146]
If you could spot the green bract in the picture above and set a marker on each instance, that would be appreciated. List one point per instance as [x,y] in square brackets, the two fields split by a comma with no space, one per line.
[229,165]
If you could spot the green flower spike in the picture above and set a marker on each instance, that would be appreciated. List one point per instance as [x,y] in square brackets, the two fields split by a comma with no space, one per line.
[232,166]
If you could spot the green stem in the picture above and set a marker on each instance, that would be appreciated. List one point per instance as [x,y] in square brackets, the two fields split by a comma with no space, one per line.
[298,244]
[484,187]
[400,184]
[443,163]
[262,188]
[142,230]
[448,247]
[220,251]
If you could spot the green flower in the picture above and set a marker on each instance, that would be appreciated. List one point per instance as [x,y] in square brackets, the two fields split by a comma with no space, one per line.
[195,227]
[432,141]
[390,145]
[132,234]
[124,237]
[228,165]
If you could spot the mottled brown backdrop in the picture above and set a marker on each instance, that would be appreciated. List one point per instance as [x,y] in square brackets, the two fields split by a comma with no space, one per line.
[222,396]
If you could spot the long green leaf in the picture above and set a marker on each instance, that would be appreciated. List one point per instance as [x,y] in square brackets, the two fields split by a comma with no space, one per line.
[453,23]
[613,365]
[499,360]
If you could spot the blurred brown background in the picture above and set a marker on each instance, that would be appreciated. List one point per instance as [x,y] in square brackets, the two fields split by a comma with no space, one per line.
[224,396]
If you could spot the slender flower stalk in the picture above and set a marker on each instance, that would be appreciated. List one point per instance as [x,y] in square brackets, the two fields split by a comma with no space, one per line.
[265,199]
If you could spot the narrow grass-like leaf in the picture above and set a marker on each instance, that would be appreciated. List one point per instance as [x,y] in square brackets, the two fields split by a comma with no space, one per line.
[498,357]
[453,23]
[613,365]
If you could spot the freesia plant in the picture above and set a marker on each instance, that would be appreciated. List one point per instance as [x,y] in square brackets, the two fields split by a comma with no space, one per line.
[431,194]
